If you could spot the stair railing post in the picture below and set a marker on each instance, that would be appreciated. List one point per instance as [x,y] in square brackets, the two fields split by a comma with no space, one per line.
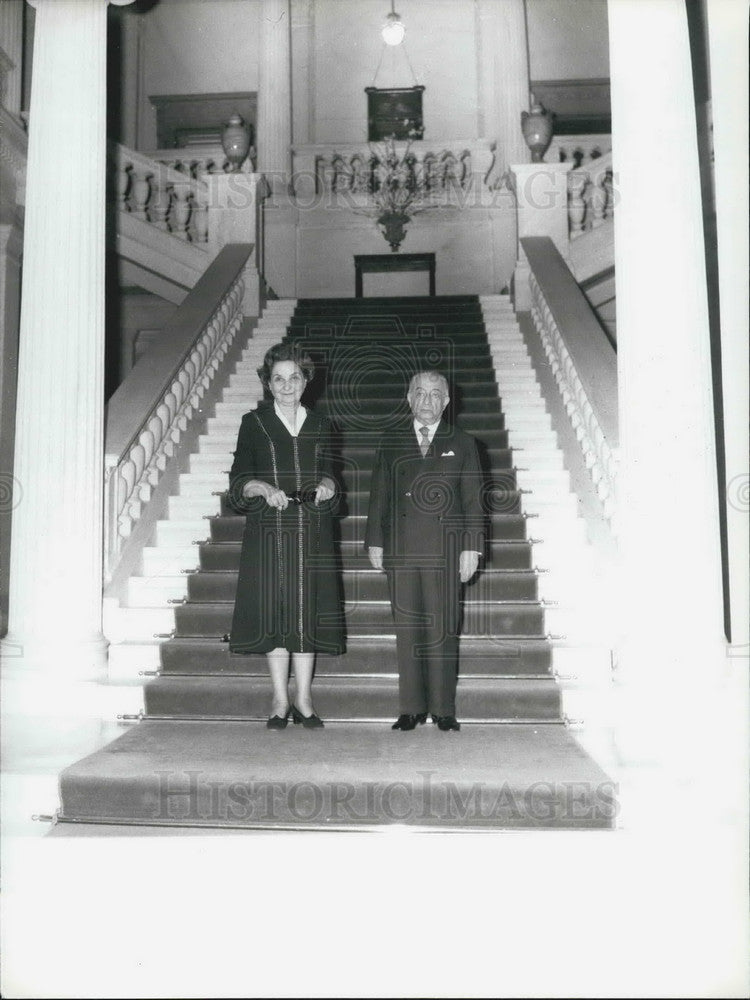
[232,207]
[541,191]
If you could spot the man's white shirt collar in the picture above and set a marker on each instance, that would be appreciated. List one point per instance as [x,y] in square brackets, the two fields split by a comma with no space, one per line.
[431,428]
[301,415]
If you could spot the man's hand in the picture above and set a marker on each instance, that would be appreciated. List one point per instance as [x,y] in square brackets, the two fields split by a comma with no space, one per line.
[323,491]
[467,565]
[376,557]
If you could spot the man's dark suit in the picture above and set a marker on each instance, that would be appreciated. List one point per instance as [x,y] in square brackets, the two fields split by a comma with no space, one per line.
[424,511]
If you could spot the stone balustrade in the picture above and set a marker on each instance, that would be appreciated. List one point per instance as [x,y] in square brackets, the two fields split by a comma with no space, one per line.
[443,171]
[171,200]
[141,440]
[580,150]
[590,195]
[194,161]
[582,362]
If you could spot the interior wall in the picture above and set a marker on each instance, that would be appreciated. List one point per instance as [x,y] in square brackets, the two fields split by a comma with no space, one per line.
[474,253]
[196,47]
[212,46]
[440,48]
[568,39]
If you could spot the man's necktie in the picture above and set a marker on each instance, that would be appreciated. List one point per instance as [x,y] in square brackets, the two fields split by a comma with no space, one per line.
[424,444]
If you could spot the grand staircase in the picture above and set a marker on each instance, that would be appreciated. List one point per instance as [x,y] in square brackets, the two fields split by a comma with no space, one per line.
[202,722]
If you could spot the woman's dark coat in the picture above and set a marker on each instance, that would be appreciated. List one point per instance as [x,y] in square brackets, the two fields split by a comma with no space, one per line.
[288,592]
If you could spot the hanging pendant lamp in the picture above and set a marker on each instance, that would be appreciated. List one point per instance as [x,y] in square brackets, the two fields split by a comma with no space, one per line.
[393,30]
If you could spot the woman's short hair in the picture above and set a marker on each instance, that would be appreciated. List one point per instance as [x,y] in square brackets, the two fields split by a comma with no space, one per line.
[286,352]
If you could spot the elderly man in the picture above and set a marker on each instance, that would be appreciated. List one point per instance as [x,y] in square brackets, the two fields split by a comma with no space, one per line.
[425,528]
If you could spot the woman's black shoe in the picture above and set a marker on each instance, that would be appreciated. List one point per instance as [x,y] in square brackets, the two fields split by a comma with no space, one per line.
[278,721]
[308,721]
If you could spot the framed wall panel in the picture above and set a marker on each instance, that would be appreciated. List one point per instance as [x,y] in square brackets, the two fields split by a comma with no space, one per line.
[396,112]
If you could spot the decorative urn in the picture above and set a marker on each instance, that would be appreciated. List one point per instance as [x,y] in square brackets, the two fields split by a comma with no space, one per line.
[536,126]
[393,226]
[235,141]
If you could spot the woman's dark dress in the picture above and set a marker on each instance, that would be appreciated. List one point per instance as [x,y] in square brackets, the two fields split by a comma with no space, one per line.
[288,586]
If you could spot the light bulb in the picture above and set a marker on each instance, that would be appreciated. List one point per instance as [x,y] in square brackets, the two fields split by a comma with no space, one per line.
[393,30]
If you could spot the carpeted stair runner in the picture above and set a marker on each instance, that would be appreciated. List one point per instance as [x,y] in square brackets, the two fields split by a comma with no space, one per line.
[365,351]
[205,712]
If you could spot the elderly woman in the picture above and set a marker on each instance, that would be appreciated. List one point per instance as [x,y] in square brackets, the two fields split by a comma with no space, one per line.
[287,598]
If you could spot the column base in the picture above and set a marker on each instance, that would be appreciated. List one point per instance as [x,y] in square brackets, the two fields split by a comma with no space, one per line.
[61,660]
[676,709]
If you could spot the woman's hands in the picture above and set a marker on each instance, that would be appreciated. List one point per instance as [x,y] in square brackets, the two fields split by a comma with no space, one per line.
[273,496]
[278,499]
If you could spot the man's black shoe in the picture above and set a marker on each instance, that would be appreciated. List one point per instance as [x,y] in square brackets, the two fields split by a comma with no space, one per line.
[447,723]
[406,722]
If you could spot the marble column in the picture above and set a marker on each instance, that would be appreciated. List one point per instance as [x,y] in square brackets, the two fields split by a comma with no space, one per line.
[11,43]
[671,649]
[728,45]
[55,636]
[275,95]
[503,68]
[303,78]
[279,213]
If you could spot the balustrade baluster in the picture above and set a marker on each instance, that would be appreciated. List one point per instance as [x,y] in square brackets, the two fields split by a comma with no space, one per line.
[123,187]
[159,207]
[577,181]
[598,200]
[200,216]
[326,174]
[181,208]
[609,207]
[141,192]
[465,169]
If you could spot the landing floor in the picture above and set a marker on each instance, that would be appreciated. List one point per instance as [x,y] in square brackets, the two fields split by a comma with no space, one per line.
[239,774]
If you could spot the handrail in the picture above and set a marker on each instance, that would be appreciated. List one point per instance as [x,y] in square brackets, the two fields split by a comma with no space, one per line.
[582,361]
[149,412]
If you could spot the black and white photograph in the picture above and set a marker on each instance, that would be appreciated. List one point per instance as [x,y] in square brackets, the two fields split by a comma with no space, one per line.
[374,495]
